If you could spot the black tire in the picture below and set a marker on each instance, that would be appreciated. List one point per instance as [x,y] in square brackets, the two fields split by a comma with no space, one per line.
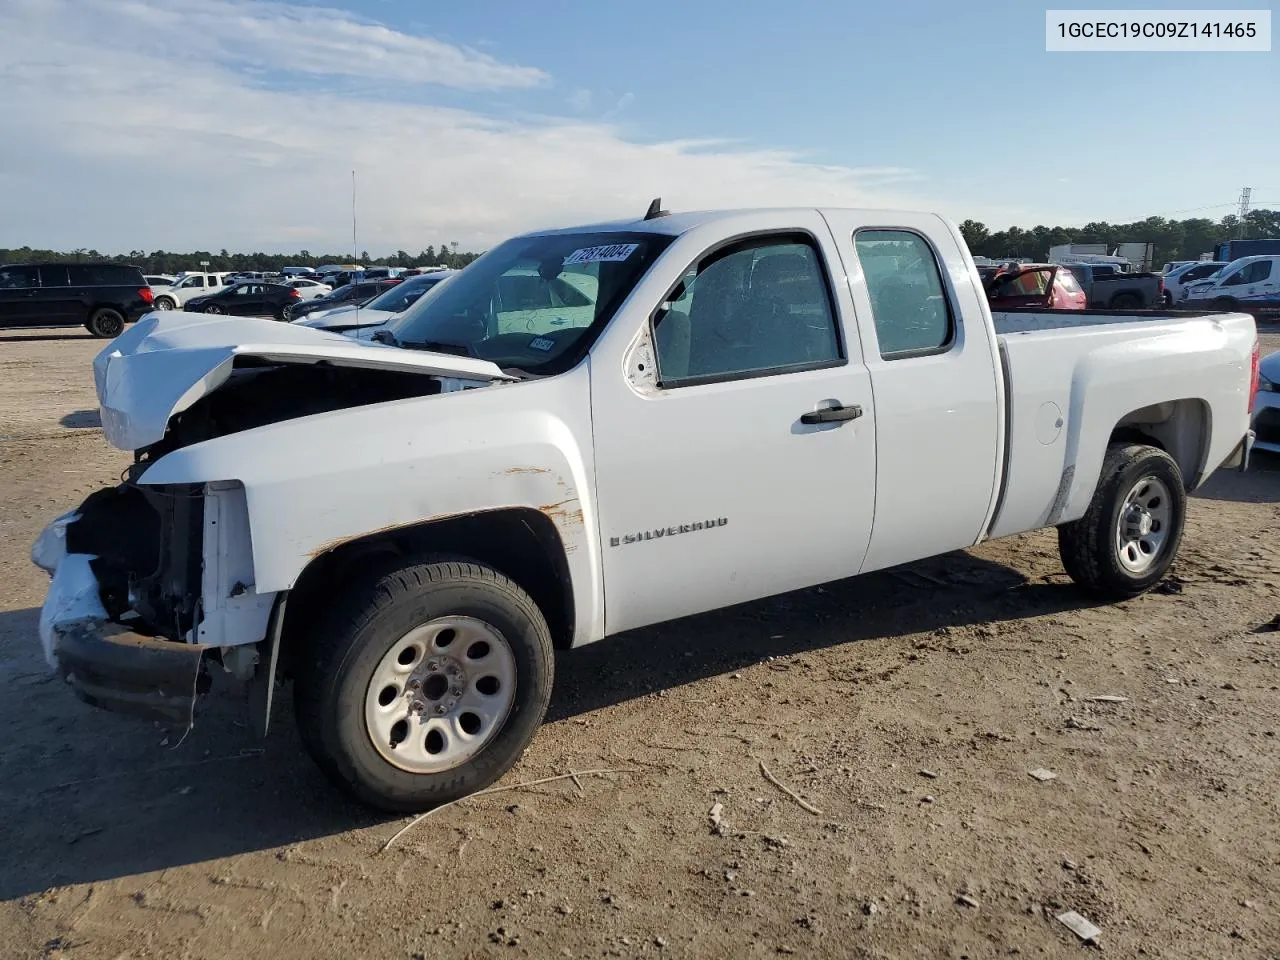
[214,309]
[334,670]
[286,312]
[1088,546]
[106,323]
[1125,301]
[166,303]
[1224,304]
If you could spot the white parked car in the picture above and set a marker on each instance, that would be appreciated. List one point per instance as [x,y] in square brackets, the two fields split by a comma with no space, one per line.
[1249,281]
[190,285]
[753,402]
[307,288]
[1176,280]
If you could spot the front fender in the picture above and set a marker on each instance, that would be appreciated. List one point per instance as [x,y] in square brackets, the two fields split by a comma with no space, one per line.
[314,483]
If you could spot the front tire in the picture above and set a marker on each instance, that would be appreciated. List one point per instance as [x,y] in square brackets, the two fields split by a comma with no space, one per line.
[106,323]
[165,303]
[1128,538]
[424,684]
[214,309]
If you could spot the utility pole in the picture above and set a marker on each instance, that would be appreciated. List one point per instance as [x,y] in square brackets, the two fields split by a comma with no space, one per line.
[1245,195]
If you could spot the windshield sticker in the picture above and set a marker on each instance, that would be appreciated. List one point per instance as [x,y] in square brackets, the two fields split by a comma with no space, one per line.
[541,343]
[613,253]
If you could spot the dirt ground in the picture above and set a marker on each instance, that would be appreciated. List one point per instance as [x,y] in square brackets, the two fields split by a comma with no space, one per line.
[906,707]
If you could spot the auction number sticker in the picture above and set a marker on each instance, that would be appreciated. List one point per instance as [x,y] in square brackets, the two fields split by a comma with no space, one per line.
[613,253]
[1156,31]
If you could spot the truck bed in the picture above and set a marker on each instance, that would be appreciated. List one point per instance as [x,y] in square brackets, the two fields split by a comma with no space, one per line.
[1070,375]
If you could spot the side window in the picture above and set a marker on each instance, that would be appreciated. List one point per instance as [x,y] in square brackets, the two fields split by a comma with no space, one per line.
[908,302]
[1235,278]
[15,278]
[1257,271]
[757,307]
[53,277]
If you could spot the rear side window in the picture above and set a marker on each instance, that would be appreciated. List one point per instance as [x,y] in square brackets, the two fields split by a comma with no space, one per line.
[908,302]
[758,307]
[53,276]
[103,275]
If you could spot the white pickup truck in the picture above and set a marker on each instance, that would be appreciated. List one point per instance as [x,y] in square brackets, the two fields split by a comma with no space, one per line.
[590,430]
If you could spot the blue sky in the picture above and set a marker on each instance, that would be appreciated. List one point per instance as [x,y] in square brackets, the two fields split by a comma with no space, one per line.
[211,123]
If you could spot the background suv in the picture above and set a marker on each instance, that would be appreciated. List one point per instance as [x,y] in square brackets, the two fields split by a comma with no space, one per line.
[101,297]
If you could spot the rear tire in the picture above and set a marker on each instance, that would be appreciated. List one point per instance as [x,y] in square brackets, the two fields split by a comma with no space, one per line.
[106,323]
[1128,538]
[1125,301]
[393,665]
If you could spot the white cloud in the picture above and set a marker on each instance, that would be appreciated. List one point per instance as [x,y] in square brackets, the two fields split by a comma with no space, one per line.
[135,124]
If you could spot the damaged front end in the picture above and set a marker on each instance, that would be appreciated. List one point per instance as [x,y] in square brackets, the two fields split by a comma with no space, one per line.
[153,581]
[120,616]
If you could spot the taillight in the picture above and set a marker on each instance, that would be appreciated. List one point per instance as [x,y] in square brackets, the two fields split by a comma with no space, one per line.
[1253,374]
[294,295]
[1162,285]
[146,295]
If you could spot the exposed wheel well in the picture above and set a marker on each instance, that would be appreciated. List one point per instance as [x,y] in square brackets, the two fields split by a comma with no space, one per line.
[521,543]
[1178,427]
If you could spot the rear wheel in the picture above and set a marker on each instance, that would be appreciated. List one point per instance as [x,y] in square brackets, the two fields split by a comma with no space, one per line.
[425,684]
[106,323]
[1125,301]
[1128,538]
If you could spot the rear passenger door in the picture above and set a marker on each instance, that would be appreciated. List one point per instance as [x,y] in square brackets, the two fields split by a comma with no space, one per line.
[60,301]
[18,288]
[932,361]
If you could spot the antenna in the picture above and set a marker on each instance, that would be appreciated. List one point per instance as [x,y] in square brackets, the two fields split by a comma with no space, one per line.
[355,247]
[655,210]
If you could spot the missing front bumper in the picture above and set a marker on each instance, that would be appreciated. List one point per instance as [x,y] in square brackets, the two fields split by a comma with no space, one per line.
[132,674]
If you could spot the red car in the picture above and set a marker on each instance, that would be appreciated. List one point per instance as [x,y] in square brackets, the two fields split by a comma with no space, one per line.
[1044,286]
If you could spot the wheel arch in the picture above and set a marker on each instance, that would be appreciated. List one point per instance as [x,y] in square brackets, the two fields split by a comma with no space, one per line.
[1181,428]
[520,542]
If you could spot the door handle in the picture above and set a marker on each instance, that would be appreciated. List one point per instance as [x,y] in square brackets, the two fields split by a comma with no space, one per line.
[832,414]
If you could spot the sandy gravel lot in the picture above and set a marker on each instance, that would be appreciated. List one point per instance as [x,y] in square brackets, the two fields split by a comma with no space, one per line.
[906,707]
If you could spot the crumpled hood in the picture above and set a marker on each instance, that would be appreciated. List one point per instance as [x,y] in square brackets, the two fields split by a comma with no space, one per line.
[168,360]
[326,319]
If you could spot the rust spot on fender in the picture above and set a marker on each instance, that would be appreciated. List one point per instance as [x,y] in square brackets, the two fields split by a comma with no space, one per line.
[339,541]
[563,513]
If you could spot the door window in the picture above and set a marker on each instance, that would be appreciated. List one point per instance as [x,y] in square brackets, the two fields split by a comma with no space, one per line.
[912,313]
[14,278]
[758,307]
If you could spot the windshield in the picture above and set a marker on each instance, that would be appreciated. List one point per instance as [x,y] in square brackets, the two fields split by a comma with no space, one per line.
[402,296]
[533,303]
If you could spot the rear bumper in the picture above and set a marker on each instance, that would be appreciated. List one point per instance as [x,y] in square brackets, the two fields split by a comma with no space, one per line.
[129,673]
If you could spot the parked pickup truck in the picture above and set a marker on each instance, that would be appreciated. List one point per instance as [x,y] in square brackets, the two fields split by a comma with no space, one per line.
[1108,288]
[662,417]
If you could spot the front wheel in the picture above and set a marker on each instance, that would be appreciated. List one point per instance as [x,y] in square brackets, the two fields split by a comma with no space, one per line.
[1128,538]
[165,303]
[214,309]
[424,684]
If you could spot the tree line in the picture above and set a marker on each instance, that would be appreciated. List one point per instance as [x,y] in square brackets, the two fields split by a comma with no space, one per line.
[1173,239]
[168,262]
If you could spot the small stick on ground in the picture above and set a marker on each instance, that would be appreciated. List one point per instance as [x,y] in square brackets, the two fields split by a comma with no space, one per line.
[480,793]
[577,783]
[788,791]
